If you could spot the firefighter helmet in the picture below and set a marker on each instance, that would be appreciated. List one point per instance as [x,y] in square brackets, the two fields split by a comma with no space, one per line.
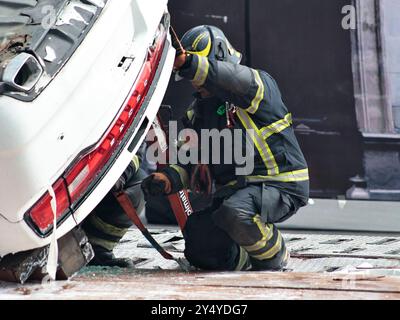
[211,42]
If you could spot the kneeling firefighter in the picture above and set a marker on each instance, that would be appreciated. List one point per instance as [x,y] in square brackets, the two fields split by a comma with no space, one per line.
[237,232]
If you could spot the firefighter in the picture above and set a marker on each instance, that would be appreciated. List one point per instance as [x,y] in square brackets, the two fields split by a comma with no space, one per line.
[108,222]
[237,232]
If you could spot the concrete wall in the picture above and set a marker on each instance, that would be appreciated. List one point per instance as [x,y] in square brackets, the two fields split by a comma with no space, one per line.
[391,17]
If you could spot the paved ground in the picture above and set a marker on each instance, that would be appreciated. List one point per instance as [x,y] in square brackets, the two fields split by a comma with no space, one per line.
[323,266]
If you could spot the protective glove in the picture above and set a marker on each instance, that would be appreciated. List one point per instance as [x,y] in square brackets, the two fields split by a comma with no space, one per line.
[156,184]
[180,61]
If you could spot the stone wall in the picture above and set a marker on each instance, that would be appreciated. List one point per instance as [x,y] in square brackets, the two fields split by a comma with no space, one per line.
[391,21]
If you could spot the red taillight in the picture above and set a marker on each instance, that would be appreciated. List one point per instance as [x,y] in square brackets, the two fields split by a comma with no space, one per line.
[75,182]
[42,214]
[86,170]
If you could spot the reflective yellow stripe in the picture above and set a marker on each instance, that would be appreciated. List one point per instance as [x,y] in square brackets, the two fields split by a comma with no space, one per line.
[261,145]
[277,126]
[183,174]
[255,104]
[299,175]
[202,71]
[136,162]
[265,236]
[207,49]
[190,114]
[109,245]
[271,252]
[106,228]
[243,257]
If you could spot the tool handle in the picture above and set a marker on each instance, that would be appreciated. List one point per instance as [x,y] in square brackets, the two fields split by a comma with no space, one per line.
[177,43]
[131,212]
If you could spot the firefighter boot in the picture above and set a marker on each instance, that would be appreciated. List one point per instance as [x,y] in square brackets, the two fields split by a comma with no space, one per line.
[105,257]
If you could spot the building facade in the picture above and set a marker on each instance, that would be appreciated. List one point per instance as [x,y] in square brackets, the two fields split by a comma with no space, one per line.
[341,84]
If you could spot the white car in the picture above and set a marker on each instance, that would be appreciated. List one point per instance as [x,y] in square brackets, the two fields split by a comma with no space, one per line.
[81,82]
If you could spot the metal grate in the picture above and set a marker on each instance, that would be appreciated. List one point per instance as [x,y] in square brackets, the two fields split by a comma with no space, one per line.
[365,246]
[311,252]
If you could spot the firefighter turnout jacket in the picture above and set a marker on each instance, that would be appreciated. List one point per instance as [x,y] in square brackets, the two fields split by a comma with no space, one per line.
[260,112]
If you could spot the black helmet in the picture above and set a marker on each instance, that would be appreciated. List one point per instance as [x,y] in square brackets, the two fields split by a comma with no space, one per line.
[210,41]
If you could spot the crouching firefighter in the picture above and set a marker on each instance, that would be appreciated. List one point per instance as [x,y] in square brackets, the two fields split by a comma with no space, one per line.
[237,232]
[108,222]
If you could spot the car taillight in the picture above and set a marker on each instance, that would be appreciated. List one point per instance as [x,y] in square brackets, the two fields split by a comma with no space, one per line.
[85,171]
[42,214]
[74,184]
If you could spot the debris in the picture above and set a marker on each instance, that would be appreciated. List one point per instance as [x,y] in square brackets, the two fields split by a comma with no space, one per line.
[21,266]
[24,291]
[365,265]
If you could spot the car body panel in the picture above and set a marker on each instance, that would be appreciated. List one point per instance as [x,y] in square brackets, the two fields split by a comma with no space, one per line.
[40,139]
[51,30]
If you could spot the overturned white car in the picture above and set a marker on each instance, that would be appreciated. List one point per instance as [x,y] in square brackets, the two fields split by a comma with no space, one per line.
[81,82]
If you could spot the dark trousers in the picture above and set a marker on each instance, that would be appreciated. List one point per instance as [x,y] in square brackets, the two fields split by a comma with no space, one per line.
[240,231]
[108,222]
